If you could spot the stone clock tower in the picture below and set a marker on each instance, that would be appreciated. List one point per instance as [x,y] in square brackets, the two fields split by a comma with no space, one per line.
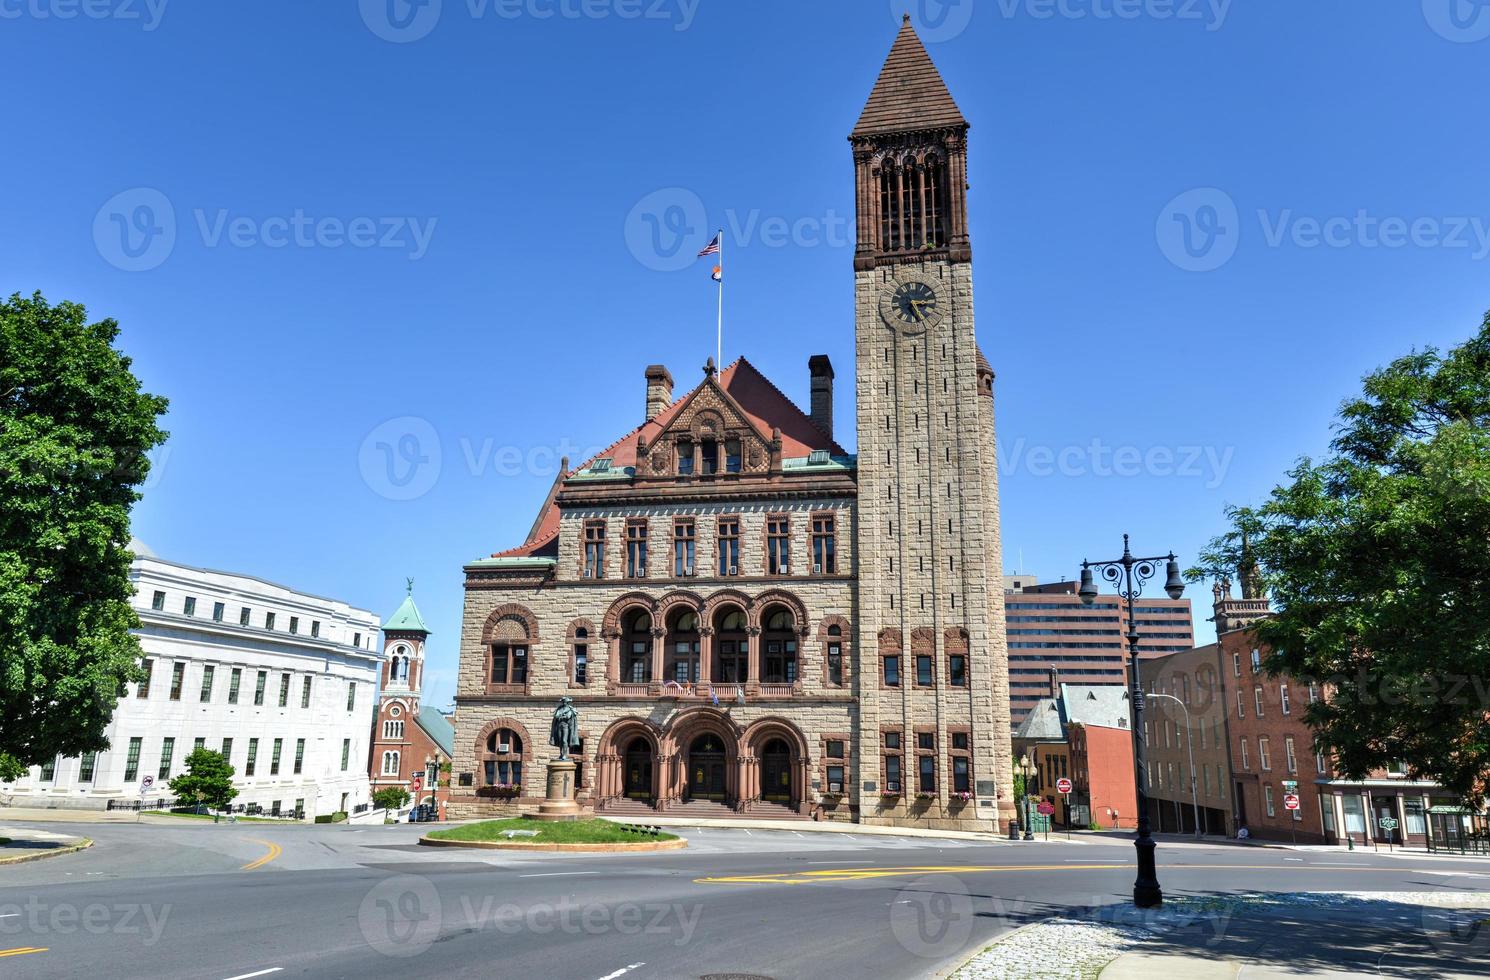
[934,680]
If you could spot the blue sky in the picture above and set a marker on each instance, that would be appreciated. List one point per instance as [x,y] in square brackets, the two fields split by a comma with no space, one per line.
[328,229]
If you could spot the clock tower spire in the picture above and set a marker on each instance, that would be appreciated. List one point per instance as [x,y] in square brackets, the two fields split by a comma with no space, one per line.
[934,690]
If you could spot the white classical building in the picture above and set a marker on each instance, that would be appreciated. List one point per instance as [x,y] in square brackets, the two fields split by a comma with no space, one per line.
[282,682]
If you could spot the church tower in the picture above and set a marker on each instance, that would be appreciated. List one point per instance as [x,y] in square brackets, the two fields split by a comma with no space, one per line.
[934,687]
[395,726]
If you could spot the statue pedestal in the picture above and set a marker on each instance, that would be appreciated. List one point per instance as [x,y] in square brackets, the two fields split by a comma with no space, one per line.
[559,803]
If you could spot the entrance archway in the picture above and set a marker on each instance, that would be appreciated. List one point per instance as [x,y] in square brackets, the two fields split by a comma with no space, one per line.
[707,769]
[776,772]
[636,770]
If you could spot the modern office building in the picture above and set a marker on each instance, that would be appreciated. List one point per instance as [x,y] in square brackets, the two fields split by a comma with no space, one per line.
[1049,628]
[281,682]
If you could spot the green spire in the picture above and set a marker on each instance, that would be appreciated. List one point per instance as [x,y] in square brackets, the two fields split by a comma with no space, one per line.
[407,618]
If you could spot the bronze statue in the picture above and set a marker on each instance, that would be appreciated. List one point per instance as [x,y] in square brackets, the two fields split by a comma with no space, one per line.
[564,731]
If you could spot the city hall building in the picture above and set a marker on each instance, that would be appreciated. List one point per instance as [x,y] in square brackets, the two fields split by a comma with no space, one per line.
[748,618]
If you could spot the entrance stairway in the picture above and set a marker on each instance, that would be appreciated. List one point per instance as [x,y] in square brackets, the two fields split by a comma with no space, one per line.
[700,810]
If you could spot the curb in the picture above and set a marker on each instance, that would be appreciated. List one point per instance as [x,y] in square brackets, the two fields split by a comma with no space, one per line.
[804,827]
[81,845]
[491,845]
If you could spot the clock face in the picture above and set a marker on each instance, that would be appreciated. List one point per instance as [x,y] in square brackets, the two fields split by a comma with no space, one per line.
[913,306]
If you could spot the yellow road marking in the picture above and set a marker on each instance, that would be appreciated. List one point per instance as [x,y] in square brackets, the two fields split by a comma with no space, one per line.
[23,950]
[862,873]
[274,851]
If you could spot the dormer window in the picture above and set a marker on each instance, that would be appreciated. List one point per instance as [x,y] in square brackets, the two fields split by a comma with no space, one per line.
[710,457]
[685,457]
[732,458]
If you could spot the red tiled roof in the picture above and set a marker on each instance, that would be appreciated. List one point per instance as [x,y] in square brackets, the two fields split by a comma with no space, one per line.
[764,405]
[910,93]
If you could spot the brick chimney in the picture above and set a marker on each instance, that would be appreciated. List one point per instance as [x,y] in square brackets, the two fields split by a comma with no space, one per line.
[659,391]
[821,370]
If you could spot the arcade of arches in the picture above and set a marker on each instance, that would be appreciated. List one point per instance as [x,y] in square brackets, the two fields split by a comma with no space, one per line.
[702,755]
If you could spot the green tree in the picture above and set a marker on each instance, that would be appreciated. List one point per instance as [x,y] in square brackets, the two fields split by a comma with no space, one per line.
[209,774]
[75,431]
[391,798]
[1378,564]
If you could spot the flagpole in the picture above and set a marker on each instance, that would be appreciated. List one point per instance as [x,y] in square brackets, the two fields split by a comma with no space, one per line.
[719,337]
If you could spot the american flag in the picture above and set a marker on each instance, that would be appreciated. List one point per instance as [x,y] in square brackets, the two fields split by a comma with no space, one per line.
[713,247]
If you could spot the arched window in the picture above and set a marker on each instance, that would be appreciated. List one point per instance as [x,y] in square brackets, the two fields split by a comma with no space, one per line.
[502,760]
[731,647]
[581,673]
[913,203]
[636,648]
[682,647]
[393,729]
[390,764]
[780,646]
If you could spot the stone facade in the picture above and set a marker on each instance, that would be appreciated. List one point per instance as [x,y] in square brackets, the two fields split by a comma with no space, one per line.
[810,632]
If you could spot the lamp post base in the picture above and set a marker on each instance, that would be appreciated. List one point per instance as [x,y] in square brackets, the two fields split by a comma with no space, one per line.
[1146,891]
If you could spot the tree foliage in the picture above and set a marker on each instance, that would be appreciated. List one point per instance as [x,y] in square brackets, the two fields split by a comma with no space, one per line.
[1378,563]
[209,774]
[75,431]
[391,798]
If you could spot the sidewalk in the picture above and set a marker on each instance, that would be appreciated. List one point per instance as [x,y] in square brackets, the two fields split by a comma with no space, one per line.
[809,827]
[24,844]
[60,815]
[1442,935]
[1401,935]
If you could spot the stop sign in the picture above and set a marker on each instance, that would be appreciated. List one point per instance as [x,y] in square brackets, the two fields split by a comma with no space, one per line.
[1063,786]
[1291,801]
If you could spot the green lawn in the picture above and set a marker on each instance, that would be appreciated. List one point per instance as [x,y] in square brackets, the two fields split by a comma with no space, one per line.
[559,832]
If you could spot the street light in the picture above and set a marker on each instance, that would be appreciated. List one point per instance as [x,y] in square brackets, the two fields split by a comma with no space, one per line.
[1190,746]
[1024,767]
[1128,575]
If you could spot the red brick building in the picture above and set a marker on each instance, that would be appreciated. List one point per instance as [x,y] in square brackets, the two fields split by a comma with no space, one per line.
[409,739]
[1273,754]
[1082,734]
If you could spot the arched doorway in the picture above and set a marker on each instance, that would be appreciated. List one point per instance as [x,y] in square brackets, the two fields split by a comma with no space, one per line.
[707,768]
[776,772]
[636,770]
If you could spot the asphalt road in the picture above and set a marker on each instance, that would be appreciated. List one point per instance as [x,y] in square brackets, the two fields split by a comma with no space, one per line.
[233,902]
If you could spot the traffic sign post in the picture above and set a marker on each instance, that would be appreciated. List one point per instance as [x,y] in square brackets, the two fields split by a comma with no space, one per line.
[1046,809]
[145,785]
[1063,787]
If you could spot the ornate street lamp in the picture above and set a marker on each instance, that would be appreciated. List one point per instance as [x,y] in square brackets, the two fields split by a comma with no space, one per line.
[1128,574]
[1024,768]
